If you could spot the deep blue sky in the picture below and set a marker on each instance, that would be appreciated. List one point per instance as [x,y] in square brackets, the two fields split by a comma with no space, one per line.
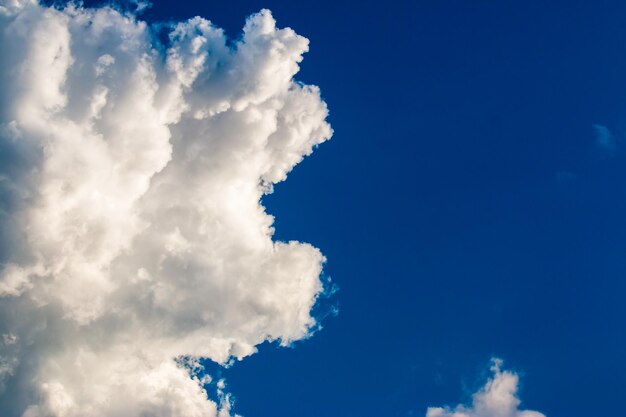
[463,204]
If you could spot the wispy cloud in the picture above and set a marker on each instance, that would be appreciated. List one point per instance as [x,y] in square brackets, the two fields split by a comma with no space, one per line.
[135,235]
[604,139]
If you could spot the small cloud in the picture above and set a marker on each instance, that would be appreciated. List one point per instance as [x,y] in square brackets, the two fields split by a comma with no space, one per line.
[604,139]
[498,398]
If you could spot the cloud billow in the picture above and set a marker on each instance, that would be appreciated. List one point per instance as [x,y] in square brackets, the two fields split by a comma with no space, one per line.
[131,179]
[498,398]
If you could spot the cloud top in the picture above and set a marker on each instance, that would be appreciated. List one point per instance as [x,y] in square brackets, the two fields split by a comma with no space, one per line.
[134,240]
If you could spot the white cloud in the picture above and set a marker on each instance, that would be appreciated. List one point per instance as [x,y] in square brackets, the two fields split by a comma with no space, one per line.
[498,398]
[130,185]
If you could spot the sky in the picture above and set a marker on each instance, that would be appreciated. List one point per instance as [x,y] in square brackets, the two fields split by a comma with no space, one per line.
[469,207]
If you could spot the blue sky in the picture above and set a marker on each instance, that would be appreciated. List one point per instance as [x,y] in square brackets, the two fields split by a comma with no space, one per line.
[464,205]
[470,205]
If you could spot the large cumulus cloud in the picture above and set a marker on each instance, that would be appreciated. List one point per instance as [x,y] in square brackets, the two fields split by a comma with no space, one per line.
[133,237]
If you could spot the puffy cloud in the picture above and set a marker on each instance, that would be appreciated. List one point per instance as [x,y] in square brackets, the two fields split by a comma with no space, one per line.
[133,237]
[498,398]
